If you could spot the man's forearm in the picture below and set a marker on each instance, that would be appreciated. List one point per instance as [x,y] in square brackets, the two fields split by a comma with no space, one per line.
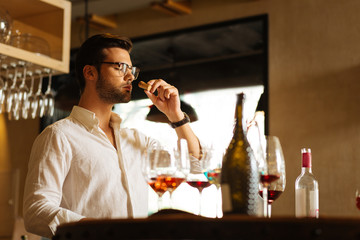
[186,133]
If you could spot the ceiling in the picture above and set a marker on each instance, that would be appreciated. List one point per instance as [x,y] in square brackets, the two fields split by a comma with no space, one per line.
[107,7]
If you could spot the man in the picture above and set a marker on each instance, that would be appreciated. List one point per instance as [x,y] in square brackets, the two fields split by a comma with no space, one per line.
[86,166]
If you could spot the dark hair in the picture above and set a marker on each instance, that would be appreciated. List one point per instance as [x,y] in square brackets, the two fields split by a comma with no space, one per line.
[91,52]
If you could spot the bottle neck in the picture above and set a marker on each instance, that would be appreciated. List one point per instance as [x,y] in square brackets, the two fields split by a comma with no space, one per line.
[306,170]
[240,124]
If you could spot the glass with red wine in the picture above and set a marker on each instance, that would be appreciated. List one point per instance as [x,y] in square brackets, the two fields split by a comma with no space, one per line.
[272,173]
[198,181]
[357,198]
[211,164]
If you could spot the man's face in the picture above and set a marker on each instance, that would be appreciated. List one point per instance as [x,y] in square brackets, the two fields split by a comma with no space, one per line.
[112,85]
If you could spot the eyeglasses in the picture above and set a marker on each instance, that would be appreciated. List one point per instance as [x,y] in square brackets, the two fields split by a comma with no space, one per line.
[123,68]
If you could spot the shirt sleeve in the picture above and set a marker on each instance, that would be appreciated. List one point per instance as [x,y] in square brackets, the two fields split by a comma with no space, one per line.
[49,164]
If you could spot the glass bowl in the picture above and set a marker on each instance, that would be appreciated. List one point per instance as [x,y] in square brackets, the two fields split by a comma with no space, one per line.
[5,26]
[31,43]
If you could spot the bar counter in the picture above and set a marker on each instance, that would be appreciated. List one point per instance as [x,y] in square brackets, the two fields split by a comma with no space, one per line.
[172,224]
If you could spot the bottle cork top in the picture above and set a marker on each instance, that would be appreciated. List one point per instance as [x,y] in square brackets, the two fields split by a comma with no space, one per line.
[306,157]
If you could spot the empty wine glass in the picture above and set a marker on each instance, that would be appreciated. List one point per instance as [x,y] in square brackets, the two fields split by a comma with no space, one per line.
[3,87]
[5,26]
[6,90]
[2,82]
[49,99]
[13,98]
[274,178]
[23,92]
[38,108]
[31,98]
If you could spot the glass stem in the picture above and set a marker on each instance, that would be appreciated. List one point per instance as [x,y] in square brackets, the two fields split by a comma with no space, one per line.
[269,210]
[265,201]
[218,202]
[160,205]
[200,198]
[170,200]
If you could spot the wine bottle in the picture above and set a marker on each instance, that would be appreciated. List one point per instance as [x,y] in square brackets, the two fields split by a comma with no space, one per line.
[239,174]
[306,189]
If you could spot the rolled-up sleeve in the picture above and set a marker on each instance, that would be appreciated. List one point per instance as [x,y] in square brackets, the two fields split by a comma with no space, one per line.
[47,169]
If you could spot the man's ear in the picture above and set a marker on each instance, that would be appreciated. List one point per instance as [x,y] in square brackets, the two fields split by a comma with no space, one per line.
[90,72]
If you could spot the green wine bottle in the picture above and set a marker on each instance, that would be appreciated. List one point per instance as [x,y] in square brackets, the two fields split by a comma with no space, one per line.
[239,174]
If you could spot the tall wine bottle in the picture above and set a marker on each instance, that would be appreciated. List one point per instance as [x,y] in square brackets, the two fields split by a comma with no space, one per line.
[239,174]
[306,189]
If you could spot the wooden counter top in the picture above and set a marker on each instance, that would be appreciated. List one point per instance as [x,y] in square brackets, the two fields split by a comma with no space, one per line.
[180,225]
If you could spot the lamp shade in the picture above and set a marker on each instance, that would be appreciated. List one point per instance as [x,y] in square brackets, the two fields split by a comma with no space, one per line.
[155,115]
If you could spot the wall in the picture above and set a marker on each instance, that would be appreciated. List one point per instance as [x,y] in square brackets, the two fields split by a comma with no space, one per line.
[15,140]
[314,56]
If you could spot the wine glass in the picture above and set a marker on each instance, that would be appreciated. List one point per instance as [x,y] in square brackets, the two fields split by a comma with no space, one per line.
[273,177]
[38,108]
[211,164]
[198,181]
[160,170]
[49,99]
[23,92]
[6,90]
[149,169]
[2,82]
[31,98]
[182,162]
[12,107]
[357,198]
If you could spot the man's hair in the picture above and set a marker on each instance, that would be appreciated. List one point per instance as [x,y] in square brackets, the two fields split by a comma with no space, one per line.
[91,53]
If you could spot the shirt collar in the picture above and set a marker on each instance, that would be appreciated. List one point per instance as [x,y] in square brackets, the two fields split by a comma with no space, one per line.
[89,119]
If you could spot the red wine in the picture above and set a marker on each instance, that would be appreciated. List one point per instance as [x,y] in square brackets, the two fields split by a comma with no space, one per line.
[200,185]
[272,195]
[268,178]
[172,182]
[158,186]
[358,202]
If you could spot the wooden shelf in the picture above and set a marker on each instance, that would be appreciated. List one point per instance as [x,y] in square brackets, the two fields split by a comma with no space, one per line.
[48,19]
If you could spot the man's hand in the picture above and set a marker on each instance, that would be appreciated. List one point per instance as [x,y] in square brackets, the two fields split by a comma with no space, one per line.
[167,99]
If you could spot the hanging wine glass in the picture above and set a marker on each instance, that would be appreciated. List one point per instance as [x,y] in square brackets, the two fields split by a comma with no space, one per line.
[38,108]
[31,99]
[49,99]
[13,98]
[6,90]
[5,26]
[23,92]
[2,81]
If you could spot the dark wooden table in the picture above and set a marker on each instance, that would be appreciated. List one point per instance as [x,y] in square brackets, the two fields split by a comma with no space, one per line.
[176,225]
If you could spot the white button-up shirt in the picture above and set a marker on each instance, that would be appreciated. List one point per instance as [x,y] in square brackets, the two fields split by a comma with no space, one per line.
[75,172]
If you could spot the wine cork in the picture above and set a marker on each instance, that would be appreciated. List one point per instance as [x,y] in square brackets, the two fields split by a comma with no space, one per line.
[144,85]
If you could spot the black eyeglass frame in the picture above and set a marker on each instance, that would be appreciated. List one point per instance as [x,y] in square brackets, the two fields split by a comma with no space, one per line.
[134,70]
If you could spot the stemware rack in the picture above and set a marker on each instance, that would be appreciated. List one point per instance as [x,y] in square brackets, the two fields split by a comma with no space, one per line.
[49,19]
